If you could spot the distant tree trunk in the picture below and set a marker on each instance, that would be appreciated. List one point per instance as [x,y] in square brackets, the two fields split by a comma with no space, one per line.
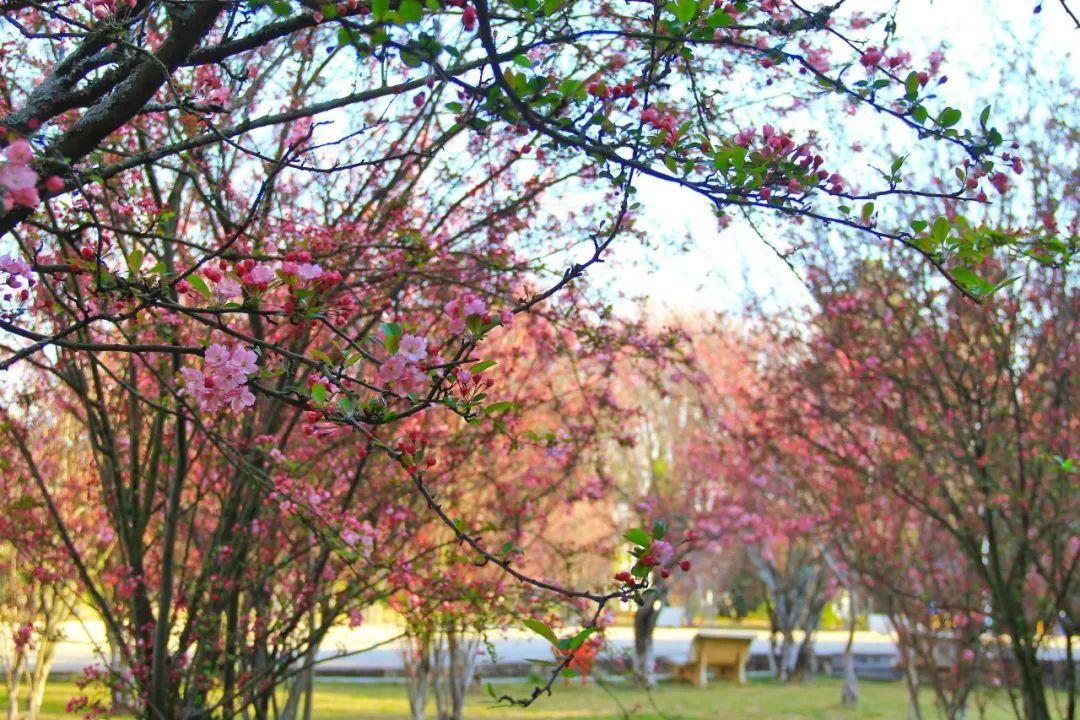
[645,619]
[14,681]
[304,684]
[39,678]
[417,654]
[806,661]
[789,655]
[849,692]
[1070,669]
[453,670]
[911,671]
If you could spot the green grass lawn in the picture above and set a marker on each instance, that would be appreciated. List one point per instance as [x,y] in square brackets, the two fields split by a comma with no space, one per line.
[760,700]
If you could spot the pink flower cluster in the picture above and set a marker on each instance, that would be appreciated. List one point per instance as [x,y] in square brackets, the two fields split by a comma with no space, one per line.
[18,278]
[400,371]
[778,144]
[17,177]
[222,380]
[461,309]
[667,122]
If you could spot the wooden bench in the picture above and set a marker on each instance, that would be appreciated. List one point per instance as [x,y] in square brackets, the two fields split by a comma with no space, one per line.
[722,651]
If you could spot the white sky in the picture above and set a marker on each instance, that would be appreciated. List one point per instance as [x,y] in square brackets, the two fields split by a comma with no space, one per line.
[718,268]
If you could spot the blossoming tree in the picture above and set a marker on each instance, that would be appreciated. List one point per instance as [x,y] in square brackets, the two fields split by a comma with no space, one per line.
[249,240]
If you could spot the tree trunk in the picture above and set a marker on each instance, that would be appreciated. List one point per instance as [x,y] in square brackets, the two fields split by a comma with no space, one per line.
[38,679]
[911,677]
[774,656]
[14,682]
[453,666]
[1032,688]
[645,619]
[417,673]
[849,692]
[789,656]
[1070,670]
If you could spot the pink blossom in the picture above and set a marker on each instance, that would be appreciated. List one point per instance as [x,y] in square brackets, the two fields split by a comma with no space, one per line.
[413,382]
[473,305]
[304,271]
[299,131]
[392,368]
[14,266]
[19,152]
[258,275]
[1000,182]
[460,309]
[662,550]
[226,289]
[413,347]
[27,197]
[17,177]
[222,379]
[871,57]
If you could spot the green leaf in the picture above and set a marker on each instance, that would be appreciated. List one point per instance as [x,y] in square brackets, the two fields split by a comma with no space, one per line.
[575,642]
[919,113]
[659,529]
[949,117]
[542,630]
[345,36]
[638,537]
[391,337]
[919,225]
[329,11]
[552,6]
[911,85]
[482,366]
[685,10]
[379,8]
[410,11]
[318,393]
[200,285]
[941,228]
[499,407]
[474,323]
[720,19]
[134,260]
[968,279]
[523,61]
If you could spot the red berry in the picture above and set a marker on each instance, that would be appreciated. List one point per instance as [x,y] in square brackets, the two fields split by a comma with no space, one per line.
[685,565]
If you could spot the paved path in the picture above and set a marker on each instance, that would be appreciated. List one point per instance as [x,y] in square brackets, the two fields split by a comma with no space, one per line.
[77,651]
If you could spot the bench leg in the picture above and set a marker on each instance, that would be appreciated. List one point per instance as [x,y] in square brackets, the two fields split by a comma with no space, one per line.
[701,677]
